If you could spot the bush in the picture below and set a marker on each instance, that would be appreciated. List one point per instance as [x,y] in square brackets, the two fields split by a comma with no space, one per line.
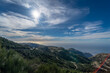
[12,62]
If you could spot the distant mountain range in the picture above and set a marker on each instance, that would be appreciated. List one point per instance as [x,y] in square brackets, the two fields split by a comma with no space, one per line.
[64,58]
[53,48]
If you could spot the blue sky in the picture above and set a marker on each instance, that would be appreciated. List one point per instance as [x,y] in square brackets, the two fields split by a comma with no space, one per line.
[81,24]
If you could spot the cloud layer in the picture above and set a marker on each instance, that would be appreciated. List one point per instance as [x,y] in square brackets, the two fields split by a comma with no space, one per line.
[53,11]
[15,21]
[85,27]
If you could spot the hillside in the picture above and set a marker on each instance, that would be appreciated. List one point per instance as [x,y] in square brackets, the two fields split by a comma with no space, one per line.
[72,50]
[38,55]
[59,53]
[98,59]
[10,44]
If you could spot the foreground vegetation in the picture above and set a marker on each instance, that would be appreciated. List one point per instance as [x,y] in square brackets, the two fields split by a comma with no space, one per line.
[13,62]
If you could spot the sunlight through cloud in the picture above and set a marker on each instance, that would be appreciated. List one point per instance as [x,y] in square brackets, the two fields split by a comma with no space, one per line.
[36,14]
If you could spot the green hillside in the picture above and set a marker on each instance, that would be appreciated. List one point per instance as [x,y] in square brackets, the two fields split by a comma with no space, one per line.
[26,59]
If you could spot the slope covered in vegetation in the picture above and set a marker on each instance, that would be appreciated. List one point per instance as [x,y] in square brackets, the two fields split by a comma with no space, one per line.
[44,59]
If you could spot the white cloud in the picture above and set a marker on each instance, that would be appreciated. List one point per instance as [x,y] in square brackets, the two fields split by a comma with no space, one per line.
[100,35]
[54,11]
[76,30]
[26,5]
[72,26]
[91,26]
[86,27]
[26,36]
[15,21]
[72,39]
[21,36]
[56,21]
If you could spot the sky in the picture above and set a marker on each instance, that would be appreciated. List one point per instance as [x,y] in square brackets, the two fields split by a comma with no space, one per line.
[80,24]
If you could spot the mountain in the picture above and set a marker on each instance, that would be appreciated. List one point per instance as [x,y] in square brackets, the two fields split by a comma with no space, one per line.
[72,50]
[97,61]
[39,57]
[58,55]
[39,54]
[54,48]
[5,43]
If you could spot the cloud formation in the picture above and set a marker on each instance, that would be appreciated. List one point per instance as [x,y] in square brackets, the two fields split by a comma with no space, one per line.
[53,11]
[20,36]
[86,27]
[97,35]
[15,21]
[92,26]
